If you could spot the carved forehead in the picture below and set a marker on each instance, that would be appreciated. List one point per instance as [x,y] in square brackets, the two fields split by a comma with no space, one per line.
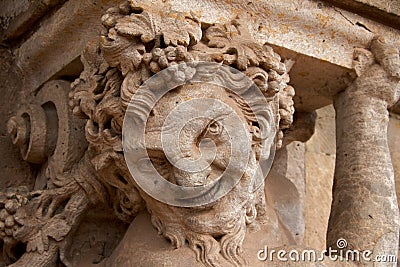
[185,93]
[176,97]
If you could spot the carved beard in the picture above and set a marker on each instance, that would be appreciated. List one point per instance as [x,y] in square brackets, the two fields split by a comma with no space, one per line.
[214,229]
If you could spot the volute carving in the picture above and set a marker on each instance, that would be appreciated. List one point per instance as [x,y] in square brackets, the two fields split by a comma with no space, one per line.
[139,44]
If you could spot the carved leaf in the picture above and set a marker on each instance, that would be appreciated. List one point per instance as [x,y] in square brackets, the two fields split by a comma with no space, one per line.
[121,51]
[137,25]
[102,160]
[178,30]
[35,243]
[87,103]
[215,31]
[240,50]
[216,35]
[108,108]
[57,229]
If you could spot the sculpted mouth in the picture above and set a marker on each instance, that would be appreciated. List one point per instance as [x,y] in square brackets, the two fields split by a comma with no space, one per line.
[208,194]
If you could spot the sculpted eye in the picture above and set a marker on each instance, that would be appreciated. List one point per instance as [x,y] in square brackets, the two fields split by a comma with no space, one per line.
[214,128]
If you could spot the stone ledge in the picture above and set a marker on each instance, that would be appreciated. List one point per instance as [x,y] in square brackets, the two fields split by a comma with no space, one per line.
[321,39]
[386,11]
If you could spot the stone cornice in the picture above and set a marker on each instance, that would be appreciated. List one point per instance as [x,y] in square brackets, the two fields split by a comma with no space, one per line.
[386,11]
[320,38]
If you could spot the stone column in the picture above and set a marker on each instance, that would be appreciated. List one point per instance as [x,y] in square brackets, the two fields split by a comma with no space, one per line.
[364,208]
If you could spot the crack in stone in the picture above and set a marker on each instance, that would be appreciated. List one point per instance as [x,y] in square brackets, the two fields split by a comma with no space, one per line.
[352,23]
[359,24]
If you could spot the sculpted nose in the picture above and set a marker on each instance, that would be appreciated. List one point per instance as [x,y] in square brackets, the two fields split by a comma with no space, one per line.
[191,179]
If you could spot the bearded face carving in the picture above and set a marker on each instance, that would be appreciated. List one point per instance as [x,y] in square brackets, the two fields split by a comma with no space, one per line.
[198,139]
[210,140]
[223,219]
[182,118]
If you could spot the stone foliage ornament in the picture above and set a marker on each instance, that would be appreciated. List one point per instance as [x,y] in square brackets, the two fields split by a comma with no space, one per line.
[138,44]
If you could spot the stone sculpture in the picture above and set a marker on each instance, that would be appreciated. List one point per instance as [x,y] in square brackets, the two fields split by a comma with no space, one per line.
[137,44]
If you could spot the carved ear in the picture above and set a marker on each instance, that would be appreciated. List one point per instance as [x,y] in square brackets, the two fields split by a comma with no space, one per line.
[265,121]
[267,132]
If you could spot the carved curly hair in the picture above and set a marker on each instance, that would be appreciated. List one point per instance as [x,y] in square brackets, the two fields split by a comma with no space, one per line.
[138,44]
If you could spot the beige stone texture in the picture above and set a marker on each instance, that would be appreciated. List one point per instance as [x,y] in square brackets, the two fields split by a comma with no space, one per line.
[385,11]
[390,6]
[320,163]
[10,10]
[14,171]
[364,194]
[394,144]
[65,91]
[325,38]
[17,17]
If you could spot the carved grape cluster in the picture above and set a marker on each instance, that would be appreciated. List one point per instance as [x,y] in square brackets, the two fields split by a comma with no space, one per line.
[9,205]
[160,59]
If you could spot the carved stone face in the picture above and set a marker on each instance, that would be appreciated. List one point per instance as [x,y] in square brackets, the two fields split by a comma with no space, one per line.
[225,218]
[198,136]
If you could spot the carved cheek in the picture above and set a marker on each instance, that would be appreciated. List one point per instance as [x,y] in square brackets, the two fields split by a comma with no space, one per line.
[221,160]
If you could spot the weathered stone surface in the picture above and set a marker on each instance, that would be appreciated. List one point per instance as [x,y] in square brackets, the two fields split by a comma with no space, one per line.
[394,143]
[10,10]
[286,189]
[364,196]
[14,171]
[96,238]
[320,163]
[334,33]
[302,128]
[18,17]
[137,44]
[396,108]
[314,40]
[385,11]
[143,246]
[74,24]
[389,6]
[325,39]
